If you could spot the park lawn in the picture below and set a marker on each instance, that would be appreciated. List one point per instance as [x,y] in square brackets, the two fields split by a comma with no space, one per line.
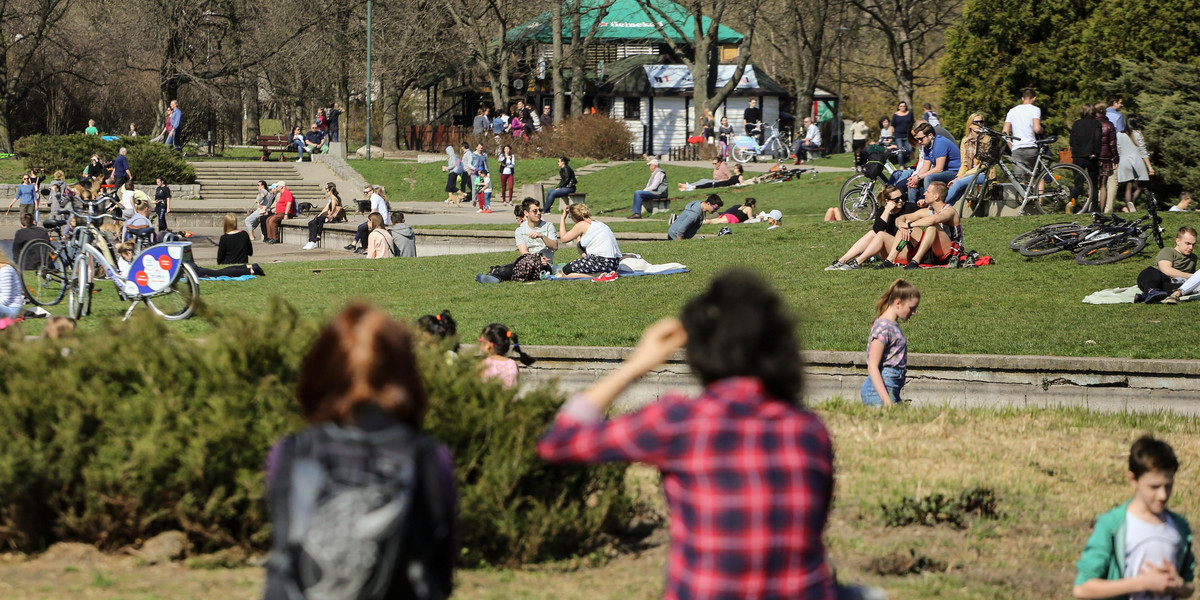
[408,181]
[11,170]
[1017,306]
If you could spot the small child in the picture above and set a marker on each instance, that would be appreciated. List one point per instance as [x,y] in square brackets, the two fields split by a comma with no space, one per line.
[124,257]
[483,192]
[437,328]
[494,343]
[887,348]
[1140,550]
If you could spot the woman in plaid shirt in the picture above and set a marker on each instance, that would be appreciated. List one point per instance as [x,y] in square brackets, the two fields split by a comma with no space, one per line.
[747,470]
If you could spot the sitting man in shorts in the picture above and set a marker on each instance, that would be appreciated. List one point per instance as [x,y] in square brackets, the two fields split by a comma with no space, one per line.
[883,232]
[938,231]
[1173,273]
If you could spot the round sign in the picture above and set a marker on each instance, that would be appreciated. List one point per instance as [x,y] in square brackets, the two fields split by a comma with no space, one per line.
[142,278]
[165,262]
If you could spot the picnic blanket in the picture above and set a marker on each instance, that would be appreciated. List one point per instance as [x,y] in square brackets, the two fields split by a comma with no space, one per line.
[1124,295]
[228,278]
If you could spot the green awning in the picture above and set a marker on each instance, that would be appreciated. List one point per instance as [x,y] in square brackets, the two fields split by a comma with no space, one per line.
[625,21]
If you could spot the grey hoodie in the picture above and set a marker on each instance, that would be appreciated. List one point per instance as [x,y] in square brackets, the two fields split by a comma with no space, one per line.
[404,238]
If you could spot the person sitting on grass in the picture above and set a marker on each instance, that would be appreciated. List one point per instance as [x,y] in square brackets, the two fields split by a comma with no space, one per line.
[1185,203]
[883,231]
[656,188]
[738,213]
[234,249]
[1140,549]
[494,343]
[747,470]
[919,233]
[535,235]
[379,241]
[721,177]
[689,220]
[1173,273]
[597,243]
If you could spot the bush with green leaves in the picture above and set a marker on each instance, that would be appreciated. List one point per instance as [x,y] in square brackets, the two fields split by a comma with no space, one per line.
[133,429]
[591,136]
[71,154]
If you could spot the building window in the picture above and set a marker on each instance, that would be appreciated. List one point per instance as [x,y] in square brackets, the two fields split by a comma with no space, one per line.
[633,109]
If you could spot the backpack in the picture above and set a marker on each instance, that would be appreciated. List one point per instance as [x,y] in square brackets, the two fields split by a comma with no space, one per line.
[876,156]
[502,272]
[341,502]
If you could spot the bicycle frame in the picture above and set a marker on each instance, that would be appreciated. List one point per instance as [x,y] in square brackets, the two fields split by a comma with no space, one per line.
[152,274]
[750,145]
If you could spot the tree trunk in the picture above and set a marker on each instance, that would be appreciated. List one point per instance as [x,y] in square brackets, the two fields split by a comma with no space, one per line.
[389,103]
[251,109]
[5,132]
[556,65]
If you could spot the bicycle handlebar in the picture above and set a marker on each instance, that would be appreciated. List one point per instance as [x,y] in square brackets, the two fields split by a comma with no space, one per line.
[991,131]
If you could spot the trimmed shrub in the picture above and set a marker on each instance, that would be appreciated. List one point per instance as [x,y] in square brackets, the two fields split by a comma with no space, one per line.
[71,154]
[591,136]
[112,437]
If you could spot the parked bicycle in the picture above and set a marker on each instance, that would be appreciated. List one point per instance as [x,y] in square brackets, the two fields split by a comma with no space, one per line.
[160,276]
[859,191]
[1045,189]
[1107,239]
[746,148]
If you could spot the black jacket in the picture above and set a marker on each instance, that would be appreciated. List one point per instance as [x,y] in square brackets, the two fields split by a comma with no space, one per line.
[566,177]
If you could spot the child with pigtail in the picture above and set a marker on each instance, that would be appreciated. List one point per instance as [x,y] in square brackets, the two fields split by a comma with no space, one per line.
[494,343]
[887,348]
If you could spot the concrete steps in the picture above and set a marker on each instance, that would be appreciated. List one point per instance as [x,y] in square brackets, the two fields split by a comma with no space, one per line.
[234,184]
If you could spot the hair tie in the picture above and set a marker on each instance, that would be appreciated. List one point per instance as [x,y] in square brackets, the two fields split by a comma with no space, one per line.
[508,334]
[438,317]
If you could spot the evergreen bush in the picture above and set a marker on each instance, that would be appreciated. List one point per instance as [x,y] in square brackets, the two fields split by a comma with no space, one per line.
[71,154]
[114,436]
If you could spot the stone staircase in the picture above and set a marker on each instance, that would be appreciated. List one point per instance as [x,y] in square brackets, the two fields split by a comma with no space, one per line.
[234,184]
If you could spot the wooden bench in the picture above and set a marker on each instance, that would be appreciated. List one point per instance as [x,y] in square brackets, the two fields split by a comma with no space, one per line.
[274,143]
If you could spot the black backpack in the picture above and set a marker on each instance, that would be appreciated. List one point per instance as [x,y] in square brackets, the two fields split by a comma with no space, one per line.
[341,504]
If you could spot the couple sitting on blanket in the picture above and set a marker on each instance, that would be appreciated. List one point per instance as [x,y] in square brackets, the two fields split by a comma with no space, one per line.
[537,240]
[928,230]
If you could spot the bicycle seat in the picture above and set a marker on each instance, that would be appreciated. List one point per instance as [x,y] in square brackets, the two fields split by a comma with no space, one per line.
[1046,141]
[53,223]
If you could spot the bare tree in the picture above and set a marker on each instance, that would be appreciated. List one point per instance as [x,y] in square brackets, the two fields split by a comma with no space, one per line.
[483,25]
[912,32]
[698,49]
[806,34]
[26,31]
[406,54]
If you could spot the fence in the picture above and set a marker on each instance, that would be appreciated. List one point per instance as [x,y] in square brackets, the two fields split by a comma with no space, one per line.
[434,138]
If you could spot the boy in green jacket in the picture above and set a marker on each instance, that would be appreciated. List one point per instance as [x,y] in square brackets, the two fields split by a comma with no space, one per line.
[1140,550]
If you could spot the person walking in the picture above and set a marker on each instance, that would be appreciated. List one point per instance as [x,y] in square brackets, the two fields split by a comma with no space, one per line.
[887,348]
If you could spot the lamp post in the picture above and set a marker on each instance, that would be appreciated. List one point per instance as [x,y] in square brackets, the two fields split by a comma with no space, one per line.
[841,127]
[368,80]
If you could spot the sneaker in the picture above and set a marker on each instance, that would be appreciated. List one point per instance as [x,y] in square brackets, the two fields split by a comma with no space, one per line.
[836,266]
[1154,296]
[886,264]
[912,264]
[487,211]
[350,247]
[301,159]
[309,246]
[257,270]
[671,219]
[610,276]
[635,216]
[1173,298]
[480,211]
[851,265]
[360,251]
[953,262]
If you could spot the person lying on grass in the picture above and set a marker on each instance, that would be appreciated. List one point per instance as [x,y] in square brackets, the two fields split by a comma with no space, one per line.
[1173,273]
[721,177]
[883,231]
[747,470]
[597,243]
[1140,549]
[920,233]
[738,213]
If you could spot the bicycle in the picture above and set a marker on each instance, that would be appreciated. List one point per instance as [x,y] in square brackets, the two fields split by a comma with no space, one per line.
[1046,188]
[1107,240]
[1121,243]
[858,192]
[745,147]
[160,277]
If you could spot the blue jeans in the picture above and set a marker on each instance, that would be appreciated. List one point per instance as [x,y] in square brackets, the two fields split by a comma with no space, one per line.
[299,148]
[905,149]
[801,146]
[919,191]
[960,187]
[899,179]
[893,380]
[333,135]
[553,195]
[641,196]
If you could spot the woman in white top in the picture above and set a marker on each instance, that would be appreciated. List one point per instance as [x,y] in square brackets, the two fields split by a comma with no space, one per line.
[508,164]
[1135,160]
[12,298]
[597,244]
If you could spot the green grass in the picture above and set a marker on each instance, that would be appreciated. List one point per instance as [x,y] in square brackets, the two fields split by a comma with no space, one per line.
[408,181]
[11,170]
[1018,306]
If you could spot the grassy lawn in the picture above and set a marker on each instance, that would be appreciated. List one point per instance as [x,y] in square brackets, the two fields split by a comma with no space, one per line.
[1052,472]
[11,170]
[408,181]
[1018,306]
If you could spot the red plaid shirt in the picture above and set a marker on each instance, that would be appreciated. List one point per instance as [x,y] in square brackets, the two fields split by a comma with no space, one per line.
[748,480]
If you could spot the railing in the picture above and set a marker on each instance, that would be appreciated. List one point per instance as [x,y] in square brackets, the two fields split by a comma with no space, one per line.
[434,138]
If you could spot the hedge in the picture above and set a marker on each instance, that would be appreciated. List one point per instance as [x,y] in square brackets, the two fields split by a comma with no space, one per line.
[112,437]
[72,153]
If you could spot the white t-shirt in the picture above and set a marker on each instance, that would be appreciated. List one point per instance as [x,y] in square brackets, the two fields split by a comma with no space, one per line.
[813,134]
[599,240]
[536,245]
[127,202]
[1149,543]
[1021,118]
[379,205]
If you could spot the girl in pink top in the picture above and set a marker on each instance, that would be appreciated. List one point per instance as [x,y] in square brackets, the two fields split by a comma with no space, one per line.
[494,343]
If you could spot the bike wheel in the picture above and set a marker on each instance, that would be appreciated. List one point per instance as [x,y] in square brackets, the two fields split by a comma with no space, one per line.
[79,304]
[179,302]
[43,273]
[741,155]
[859,204]
[1049,243]
[1059,188]
[1024,238]
[1111,251]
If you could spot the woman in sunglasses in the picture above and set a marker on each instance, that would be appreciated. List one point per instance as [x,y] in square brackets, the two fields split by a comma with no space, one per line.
[969,171]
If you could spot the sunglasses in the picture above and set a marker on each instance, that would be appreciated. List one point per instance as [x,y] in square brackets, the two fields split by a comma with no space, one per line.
[979,122]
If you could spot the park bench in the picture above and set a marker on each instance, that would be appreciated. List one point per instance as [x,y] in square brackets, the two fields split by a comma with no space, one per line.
[274,143]
[658,205]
